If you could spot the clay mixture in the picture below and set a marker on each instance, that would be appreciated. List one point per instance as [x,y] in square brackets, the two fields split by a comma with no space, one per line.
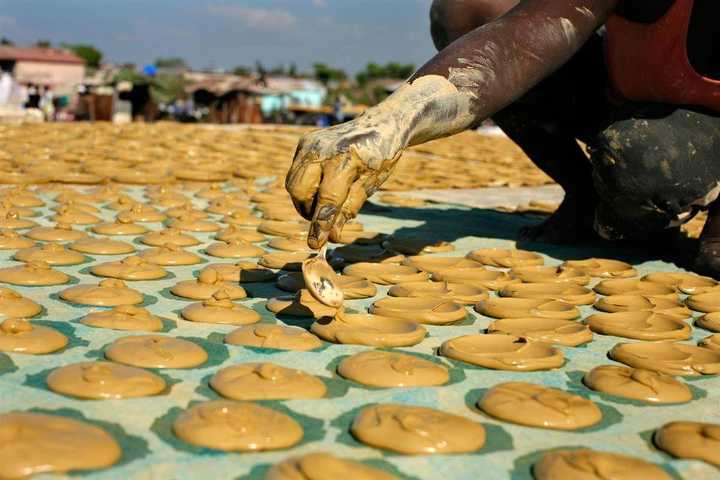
[167,319]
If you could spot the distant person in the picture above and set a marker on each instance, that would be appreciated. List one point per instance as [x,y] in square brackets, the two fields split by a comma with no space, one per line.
[33,96]
[338,110]
[6,88]
[637,82]
[47,103]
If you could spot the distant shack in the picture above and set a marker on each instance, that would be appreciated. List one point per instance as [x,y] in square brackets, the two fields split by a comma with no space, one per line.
[61,70]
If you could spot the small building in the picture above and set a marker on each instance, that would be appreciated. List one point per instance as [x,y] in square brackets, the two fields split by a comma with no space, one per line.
[62,70]
[286,93]
[227,98]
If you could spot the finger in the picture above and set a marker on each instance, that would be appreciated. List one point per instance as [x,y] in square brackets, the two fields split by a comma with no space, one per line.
[350,209]
[302,183]
[338,176]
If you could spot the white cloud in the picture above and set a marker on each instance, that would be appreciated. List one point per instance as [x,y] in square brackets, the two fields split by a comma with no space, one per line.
[259,18]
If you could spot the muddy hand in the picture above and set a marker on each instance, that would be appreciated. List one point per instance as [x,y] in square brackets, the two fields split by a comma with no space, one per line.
[335,170]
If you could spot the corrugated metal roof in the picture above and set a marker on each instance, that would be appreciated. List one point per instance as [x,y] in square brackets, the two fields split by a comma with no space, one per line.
[37,54]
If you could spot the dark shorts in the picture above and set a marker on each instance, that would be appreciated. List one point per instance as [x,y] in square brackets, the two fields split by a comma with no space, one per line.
[652,166]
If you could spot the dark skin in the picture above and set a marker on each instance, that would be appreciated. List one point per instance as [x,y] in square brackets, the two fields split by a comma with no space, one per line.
[492,66]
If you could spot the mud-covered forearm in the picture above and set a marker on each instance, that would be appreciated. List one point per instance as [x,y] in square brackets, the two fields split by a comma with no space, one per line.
[495,64]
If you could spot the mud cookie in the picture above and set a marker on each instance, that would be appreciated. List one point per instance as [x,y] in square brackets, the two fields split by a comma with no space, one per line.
[561,332]
[102,246]
[156,351]
[278,337]
[124,317]
[503,352]
[379,368]
[366,329]
[431,311]
[416,430]
[170,255]
[509,307]
[132,268]
[691,440]
[668,357]
[220,309]
[107,293]
[34,273]
[538,406]
[17,335]
[505,258]
[586,464]
[50,253]
[169,236]
[266,381]
[237,426]
[637,384]
[104,380]
[639,325]
[385,273]
[324,466]
[206,285]
[36,443]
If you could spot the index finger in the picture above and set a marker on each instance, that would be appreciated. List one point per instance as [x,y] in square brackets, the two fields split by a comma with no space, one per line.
[338,175]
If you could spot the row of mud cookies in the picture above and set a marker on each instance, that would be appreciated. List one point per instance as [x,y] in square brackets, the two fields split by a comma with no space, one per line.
[537,314]
[416,290]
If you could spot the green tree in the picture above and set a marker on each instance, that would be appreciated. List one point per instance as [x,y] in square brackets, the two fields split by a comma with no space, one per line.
[6,41]
[170,62]
[242,71]
[43,44]
[374,71]
[325,73]
[89,53]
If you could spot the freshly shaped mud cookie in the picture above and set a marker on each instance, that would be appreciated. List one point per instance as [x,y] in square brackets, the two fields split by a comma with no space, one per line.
[285,260]
[266,381]
[33,273]
[170,255]
[712,342]
[355,253]
[278,337]
[129,268]
[688,283]
[242,219]
[385,273]
[709,321]
[237,232]
[639,325]
[643,303]
[668,357]
[74,216]
[124,317]
[119,227]
[102,246]
[505,258]
[692,440]
[234,249]
[50,253]
[139,212]
[324,466]
[104,380]
[586,464]
[12,240]
[635,286]
[107,293]
[705,302]
[602,268]
[14,305]
[169,236]
[208,282]
[220,309]
[548,274]
[237,426]
[431,311]
[367,329]
[477,276]
[432,264]
[156,351]
[503,352]
[187,223]
[564,292]
[416,430]
[457,292]
[378,368]
[538,406]
[509,307]
[36,443]
[283,229]
[561,332]
[17,335]
[637,384]
[243,272]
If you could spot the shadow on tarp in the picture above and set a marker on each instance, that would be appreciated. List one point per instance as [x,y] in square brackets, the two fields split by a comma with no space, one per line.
[456,222]
[522,466]
[133,447]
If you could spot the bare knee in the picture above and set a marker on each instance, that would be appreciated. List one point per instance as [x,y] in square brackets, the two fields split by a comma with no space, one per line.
[451,19]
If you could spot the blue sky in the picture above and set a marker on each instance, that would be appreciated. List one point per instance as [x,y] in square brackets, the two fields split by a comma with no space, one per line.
[225,33]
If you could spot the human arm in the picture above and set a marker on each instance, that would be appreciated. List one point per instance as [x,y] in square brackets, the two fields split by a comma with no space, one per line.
[336,169]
